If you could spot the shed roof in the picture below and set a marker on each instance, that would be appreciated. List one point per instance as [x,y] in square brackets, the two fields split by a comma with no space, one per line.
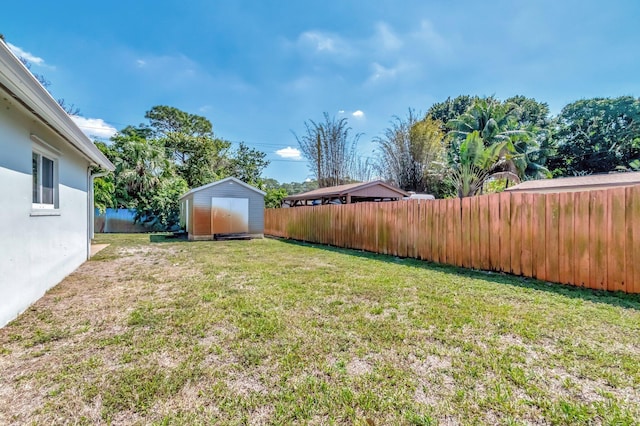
[225,180]
[341,190]
[18,82]
[578,183]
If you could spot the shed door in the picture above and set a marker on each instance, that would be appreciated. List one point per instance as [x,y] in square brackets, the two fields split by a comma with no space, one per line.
[229,215]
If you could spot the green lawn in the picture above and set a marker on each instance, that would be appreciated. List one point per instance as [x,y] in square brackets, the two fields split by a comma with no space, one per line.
[160,331]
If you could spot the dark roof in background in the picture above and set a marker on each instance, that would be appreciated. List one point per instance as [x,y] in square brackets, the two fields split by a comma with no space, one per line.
[577,182]
[341,190]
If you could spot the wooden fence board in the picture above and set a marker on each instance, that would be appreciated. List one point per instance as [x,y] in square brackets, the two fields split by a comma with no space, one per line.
[421,229]
[450,235]
[452,225]
[397,232]
[633,235]
[410,246]
[407,211]
[411,232]
[597,240]
[526,223]
[435,233]
[442,228]
[465,245]
[485,241]
[505,232]
[516,233]
[616,240]
[552,238]
[417,229]
[436,242]
[474,233]
[400,229]
[392,223]
[423,232]
[494,230]
[430,229]
[581,239]
[444,231]
[372,228]
[566,250]
[538,234]
[456,220]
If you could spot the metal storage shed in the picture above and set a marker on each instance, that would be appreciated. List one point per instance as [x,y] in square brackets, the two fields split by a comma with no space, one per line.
[228,207]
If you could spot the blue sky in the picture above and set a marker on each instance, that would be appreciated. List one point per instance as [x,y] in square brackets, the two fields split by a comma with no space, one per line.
[259,69]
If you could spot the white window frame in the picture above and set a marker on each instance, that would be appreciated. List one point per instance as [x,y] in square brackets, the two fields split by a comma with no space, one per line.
[44,150]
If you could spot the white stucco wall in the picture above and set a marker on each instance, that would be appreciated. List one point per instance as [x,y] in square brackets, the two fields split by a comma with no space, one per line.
[36,252]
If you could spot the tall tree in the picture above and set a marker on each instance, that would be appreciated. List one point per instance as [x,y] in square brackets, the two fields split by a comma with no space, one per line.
[530,112]
[450,109]
[247,164]
[597,135]
[144,179]
[411,151]
[189,141]
[330,149]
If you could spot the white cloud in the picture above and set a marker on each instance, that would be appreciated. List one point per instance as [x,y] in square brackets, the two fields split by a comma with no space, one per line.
[321,42]
[381,72]
[358,114]
[341,111]
[428,35]
[140,63]
[21,53]
[386,38]
[290,153]
[94,127]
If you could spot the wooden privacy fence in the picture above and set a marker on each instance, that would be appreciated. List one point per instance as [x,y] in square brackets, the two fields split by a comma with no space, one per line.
[589,239]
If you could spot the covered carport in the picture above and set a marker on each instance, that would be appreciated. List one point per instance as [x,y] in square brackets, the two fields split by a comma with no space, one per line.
[346,194]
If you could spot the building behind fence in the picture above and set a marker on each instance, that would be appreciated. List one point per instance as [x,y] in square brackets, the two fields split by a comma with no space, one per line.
[117,221]
[589,239]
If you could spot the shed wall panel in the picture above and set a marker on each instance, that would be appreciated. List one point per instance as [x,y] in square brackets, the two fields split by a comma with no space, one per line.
[201,206]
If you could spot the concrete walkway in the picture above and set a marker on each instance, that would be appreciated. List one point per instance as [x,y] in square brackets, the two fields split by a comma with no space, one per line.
[95,248]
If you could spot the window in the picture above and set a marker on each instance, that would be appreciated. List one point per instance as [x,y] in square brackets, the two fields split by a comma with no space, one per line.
[45,181]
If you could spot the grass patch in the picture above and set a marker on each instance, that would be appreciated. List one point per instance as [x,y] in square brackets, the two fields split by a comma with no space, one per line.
[165,331]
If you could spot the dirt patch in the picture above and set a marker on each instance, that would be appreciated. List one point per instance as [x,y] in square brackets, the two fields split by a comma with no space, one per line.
[358,367]
[73,324]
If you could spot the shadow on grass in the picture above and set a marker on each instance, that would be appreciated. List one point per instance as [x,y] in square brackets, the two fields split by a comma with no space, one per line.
[168,238]
[619,299]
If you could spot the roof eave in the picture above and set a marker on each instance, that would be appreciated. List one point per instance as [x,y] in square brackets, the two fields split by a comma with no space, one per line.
[23,87]
[308,196]
[218,182]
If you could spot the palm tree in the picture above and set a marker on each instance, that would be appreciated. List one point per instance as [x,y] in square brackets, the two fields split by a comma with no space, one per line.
[475,164]
[497,123]
[141,165]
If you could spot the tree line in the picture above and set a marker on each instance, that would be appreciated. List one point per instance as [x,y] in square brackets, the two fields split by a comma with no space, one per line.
[470,144]
[158,161]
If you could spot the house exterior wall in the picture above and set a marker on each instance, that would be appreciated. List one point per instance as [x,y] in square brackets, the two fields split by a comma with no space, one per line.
[200,207]
[37,251]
